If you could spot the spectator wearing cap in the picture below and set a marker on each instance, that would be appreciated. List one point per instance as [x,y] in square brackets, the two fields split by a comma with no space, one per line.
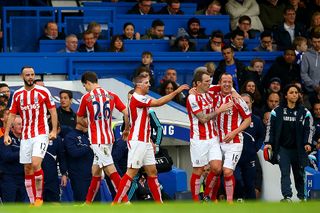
[195,30]
[285,68]
[172,8]
[274,85]
[182,42]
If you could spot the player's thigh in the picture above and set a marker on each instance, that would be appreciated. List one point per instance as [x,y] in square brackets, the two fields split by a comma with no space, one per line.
[199,153]
[102,154]
[232,154]
[25,153]
[40,146]
[214,150]
[149,157]
[136,153]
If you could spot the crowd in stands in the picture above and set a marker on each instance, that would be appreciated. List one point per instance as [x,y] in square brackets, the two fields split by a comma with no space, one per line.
[291,26]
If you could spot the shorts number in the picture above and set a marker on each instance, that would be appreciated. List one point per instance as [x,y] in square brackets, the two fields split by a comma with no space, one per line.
[43,146]
[106,110]
[235,157]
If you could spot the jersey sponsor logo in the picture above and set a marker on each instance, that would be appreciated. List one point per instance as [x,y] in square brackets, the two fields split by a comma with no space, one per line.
[30,106]
[194,106]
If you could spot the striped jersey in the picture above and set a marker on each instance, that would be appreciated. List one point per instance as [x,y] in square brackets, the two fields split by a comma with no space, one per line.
[32,105]
[231,119]
[98,105]
[139,119]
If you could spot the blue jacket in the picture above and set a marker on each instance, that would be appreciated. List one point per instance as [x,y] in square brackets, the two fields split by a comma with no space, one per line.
[9,157]
[79,154]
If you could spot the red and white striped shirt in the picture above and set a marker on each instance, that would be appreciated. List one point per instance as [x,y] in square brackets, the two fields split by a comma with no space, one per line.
[200,103]
[231,119]
[139,118]
[98,105]
[32,105]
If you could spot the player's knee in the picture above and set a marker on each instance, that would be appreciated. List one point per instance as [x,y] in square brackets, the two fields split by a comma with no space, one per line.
[216,171]
[227,172]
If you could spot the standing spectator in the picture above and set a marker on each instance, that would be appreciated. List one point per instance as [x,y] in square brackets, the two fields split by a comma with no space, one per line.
[251,88]
[71,44]
[172,8]
[214,8]
[156,31]
[66,115]
[301,12]
[204,144]
[289,136]
[89,43]
[285,33]
[51,32]
[215,43]
[35,135]
[237,41]
[310,64]
[238,8]
[231,66]
[116,44]
[12,180]
[301,46]
[141,150]
[143,7]
[98,104]
[195,31]
[129,33]
[271,13]
[230,126]
[147,62]
[266,43]
[255,71]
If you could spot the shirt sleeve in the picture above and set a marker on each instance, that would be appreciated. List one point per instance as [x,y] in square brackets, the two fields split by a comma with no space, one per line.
[118,103]
[243,109]
[142,101]
[49,100]
[14,106]
[194,105]
[82,107]
[214,89]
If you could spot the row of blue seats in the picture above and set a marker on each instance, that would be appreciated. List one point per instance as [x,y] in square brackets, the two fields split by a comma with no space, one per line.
[138,45]
[107,64]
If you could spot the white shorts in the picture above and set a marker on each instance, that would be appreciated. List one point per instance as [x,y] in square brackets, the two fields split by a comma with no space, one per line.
[204,151]
[102,154]
[231,153]
[33,147]
[140,154]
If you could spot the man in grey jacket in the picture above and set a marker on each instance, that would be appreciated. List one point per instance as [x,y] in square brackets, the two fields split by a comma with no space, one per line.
[310,68]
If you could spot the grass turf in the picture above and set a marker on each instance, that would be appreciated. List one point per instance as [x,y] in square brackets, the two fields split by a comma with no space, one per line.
[174,207]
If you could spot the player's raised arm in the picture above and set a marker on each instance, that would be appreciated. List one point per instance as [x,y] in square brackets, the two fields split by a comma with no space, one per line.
[165,99]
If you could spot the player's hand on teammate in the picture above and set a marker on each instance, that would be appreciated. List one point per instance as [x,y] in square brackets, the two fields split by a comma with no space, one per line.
[225,107]
[193,91]
[229,137]
[52,135]
[7,140]
[125,134]
[183,87]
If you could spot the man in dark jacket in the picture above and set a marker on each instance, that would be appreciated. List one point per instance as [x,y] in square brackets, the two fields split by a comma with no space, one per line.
[143,7]
[172,8]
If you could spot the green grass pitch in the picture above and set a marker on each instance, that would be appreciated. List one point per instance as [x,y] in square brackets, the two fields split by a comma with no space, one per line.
[174,207]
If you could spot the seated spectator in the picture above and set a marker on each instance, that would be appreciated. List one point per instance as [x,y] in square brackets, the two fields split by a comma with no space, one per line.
[95,28]
[215,42]
[71,44]
[156,31]
[213,9]
[147,61]
[129,33]
[168,87]
[172,8]
[182,42]
[266,43]
[301,46]
[143,7]
[285,68]
[89,43]
[237,41]
[116,44]
[238,8]
[244,24]
[51,32]
[285,32]
[195,30]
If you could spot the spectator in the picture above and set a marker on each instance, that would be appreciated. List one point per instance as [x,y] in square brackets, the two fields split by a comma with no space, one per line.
[95,28]
[143,7]
[194,30]
[66,115]
[211,68]
[301,12]
[147,62]
[266,43]
[232,66]
[244,24]
[6,93]
[172,8]
[255,71]
[90,44]
[71,44]
[168,87]
[51,32]
[183,43]
[273,100]
[156,31]
[274,85]
[251,88]
[129,33]
[301,46]
[214,8]
[271,13]
[39,81]
[289,136]
[238,8]
[316,113]
[312,8]
[12,180]
[116,44]
[285,68]
[315,23]
[215,42]
[310,68]
[285,33]
[237,41]
[266,118]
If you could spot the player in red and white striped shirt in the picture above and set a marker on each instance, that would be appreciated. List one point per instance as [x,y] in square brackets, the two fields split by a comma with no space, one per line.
[230,125]
[32,102]
[204,143]
[141,152]
[97,105]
